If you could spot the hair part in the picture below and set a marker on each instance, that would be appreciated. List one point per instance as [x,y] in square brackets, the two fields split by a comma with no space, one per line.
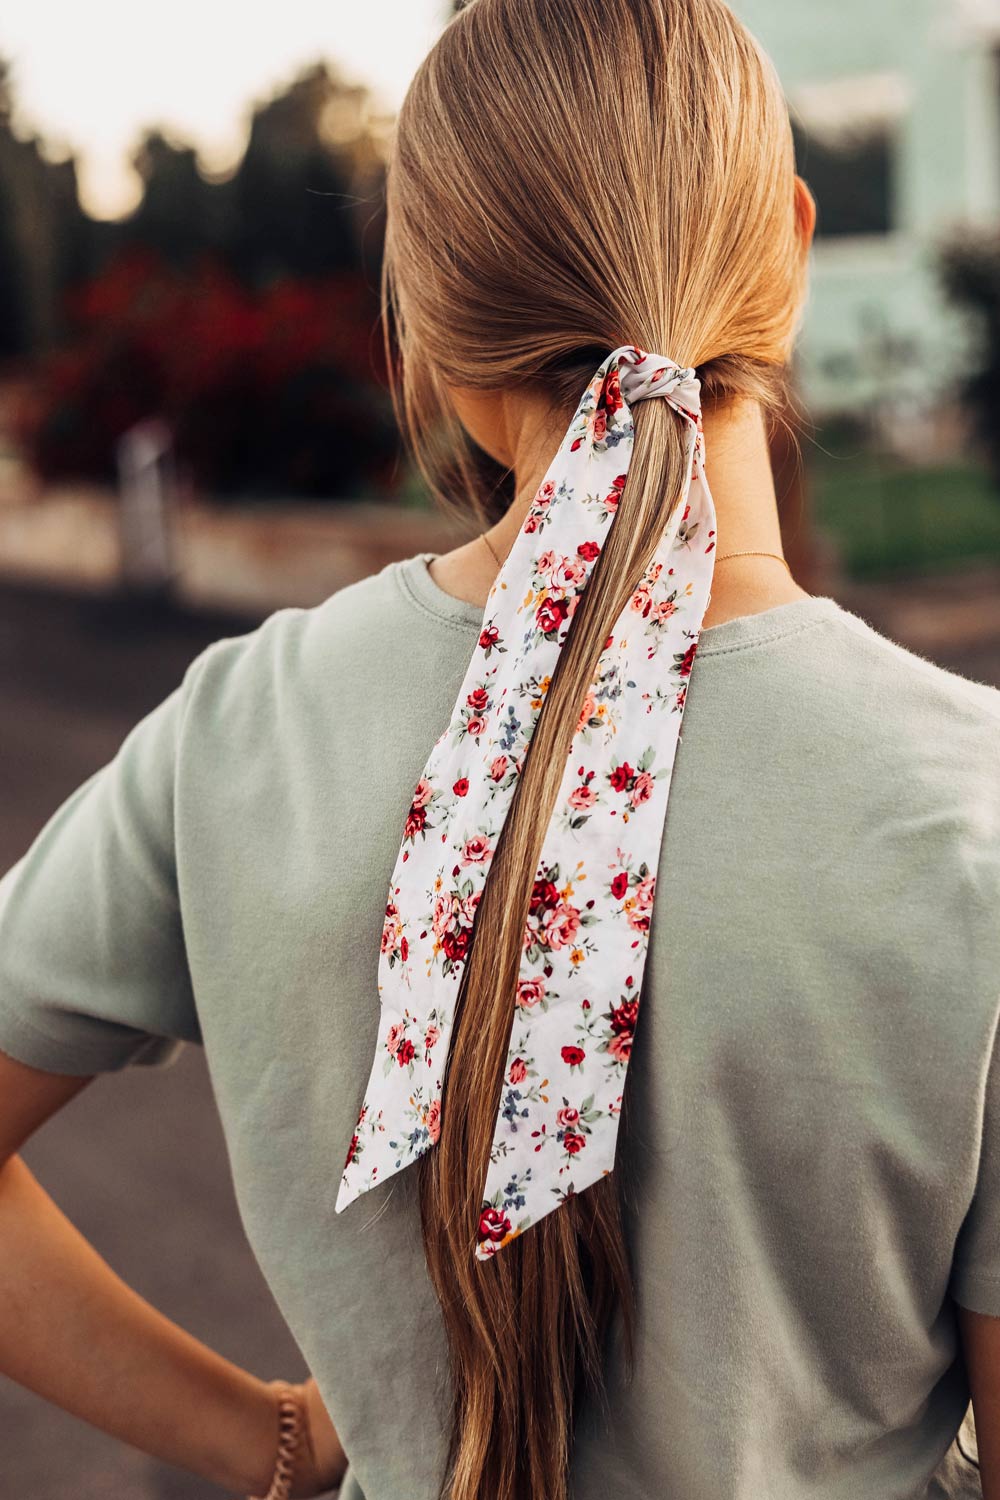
[566,178]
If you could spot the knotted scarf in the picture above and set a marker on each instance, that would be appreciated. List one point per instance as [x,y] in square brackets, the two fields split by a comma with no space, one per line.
[587,931]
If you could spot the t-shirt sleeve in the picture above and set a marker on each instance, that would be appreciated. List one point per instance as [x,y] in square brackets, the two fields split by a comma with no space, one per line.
[93,971]
[975,1276]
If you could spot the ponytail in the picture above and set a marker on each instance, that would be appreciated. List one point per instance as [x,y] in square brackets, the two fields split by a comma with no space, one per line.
[650,199]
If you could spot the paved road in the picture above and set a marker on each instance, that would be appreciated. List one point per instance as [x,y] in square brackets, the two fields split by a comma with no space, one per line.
[138,1161]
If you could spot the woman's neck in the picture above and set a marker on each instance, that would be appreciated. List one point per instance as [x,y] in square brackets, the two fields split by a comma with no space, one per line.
[739,475]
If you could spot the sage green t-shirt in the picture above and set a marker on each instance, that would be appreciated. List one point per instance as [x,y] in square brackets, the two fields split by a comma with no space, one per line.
[813,1146]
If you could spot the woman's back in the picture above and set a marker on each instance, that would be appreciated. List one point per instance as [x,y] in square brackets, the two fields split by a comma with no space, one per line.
[808,1094]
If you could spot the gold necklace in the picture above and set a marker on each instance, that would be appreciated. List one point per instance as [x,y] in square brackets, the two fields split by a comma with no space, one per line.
[725,558]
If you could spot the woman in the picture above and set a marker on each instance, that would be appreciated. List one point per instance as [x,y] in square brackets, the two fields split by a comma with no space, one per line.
[790,1282]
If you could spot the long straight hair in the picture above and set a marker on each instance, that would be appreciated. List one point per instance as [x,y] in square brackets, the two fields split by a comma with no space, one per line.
[566,176]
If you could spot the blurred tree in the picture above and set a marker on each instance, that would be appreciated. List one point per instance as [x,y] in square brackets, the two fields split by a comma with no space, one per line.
[268,391]
[43,234]
[970,271]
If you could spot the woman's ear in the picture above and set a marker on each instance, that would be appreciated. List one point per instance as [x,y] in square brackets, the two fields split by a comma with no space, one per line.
[805,213]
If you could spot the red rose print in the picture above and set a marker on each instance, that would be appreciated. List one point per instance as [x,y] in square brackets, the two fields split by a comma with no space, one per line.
[351,1151]
[461,787]
[573,1055]
[619,885]
[518,1071]
[688,659]
[611,399]
[624,1016]
[478,699]
[493,1224]
[621,776]
[416,820]
[588,551]
[404,1053]
[488,637]
[404,949]
[550,615]
[456,945]
[573,1142]
[543,894]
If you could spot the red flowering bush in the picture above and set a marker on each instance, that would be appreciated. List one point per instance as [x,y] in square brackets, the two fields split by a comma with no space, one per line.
[273,391]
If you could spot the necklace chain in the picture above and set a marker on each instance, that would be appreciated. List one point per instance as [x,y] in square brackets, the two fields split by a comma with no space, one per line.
[724,558]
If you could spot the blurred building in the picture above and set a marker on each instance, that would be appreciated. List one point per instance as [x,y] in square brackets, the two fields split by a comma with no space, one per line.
[896,110]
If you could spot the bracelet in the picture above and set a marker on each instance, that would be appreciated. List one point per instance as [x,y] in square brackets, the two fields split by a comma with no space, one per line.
[291,1425]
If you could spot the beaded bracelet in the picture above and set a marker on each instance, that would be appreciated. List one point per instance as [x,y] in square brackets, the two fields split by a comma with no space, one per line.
[291,1425]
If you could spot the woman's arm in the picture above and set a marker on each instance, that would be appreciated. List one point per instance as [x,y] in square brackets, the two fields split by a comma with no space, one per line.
[980,1335]
[74,1333]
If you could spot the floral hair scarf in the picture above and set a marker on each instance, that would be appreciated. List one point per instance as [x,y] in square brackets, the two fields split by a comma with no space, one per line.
[587,931]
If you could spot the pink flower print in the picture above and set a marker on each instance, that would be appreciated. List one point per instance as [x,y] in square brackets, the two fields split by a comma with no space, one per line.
[664,610]
[467,906]
[642,789]
[445,908]
[642,600]
[637,919]
[498,769]
[547,564]
[620,1048]
[393,1037]
[475,725]
[561,925]
[582,797]
[570,573]
[433,1121]
[477,850]
[431,1035]
[530,992]
[518,1070]
[645,892]
[392,929]
[598,426]
[567,1116]
[546,493]
[586,712]
[423,793]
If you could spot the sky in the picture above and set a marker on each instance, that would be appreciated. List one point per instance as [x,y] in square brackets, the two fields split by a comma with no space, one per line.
[89,78]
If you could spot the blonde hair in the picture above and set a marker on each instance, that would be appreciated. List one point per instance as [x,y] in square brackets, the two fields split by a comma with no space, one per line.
[567,176]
